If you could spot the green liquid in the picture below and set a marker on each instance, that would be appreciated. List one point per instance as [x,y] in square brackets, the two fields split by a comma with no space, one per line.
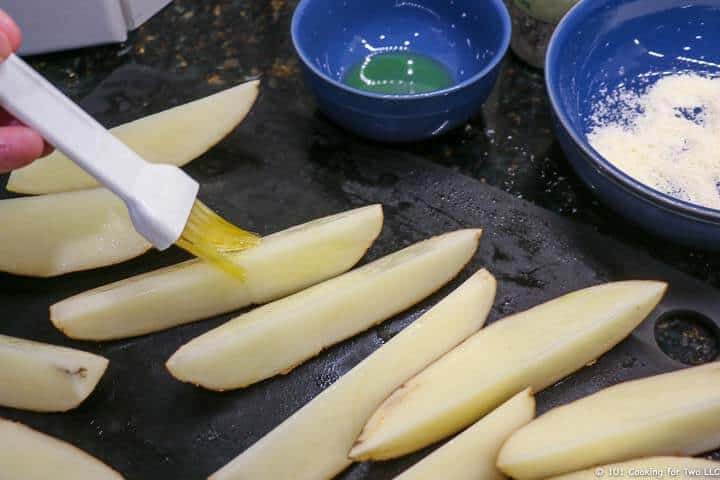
[399,74]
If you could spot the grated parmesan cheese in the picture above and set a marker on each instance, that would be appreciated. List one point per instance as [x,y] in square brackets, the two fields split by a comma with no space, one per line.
[667,137]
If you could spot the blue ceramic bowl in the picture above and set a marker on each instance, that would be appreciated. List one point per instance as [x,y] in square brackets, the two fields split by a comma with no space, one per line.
[603,43]
[469,37]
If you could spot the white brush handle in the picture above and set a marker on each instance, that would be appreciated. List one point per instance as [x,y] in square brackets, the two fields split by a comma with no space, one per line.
[159,197]
[38,104]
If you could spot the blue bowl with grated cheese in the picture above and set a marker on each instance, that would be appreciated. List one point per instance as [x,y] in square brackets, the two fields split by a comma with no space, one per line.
[639,81]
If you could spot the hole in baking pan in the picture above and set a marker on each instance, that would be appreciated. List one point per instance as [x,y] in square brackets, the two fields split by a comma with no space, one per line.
[688,337]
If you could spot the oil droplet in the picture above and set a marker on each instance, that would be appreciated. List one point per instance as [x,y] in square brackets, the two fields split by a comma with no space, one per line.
[401,73]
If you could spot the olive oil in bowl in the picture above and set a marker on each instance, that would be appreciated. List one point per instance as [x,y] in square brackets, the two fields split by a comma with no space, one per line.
[399,73]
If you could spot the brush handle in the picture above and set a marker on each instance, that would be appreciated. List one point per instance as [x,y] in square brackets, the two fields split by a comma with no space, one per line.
[159,197]
[38,104]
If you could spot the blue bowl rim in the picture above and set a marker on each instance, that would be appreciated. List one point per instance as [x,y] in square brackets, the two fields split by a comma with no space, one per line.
[605,167]
[494,62]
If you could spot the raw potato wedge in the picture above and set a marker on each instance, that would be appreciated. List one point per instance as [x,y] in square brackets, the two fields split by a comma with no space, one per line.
[276,337]
[284,263]
[472,454]
[54,234]
[175,136]
[46,378]
[313,443]
[26,454]
[535,348]
[672,414]
[654,468]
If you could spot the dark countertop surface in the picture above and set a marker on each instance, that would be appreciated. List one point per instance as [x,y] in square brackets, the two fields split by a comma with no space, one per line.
[509,144]
[293,164]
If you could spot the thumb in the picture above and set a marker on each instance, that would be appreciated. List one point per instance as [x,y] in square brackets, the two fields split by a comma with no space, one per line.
[19,146]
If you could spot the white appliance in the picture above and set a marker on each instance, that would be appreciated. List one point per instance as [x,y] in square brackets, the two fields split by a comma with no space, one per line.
[52,25]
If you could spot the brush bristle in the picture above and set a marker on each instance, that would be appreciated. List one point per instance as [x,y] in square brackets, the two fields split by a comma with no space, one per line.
[213,239]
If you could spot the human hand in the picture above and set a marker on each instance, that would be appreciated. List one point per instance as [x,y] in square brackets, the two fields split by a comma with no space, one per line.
[19,145]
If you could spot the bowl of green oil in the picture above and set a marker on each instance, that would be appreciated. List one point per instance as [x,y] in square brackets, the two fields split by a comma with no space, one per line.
[401,70]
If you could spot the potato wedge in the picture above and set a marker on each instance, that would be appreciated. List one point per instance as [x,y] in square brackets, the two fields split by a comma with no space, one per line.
[654,468]
[535,348]
[46,378]
[175,136]
[276,337]
[26,454]
[50,235]
[472,454]
[284,263]
[671,414]
[313,443]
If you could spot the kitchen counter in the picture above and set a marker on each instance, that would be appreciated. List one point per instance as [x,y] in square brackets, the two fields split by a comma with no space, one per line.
[287,164]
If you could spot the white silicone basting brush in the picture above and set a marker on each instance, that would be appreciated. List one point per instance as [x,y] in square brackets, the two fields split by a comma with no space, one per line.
[161,199]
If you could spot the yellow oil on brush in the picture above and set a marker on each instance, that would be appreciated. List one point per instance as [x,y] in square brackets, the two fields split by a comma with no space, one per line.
[212,238]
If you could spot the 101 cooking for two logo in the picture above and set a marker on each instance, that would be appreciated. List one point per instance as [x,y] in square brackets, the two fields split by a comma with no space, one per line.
[650,472]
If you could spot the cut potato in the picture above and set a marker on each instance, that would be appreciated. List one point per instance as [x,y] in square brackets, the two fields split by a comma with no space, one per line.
[472,454]
[276,337]
[535,348]
[284,263]
[175,136]
[46,378]
[672,414]
[53,234]
[26,454]
[654,468]
[313,443]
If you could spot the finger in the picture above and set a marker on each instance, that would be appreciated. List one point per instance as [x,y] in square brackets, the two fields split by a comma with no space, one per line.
[7,120]
[11,30]
[18,147]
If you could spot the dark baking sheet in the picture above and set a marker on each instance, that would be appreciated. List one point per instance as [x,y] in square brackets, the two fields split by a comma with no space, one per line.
[285,165]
